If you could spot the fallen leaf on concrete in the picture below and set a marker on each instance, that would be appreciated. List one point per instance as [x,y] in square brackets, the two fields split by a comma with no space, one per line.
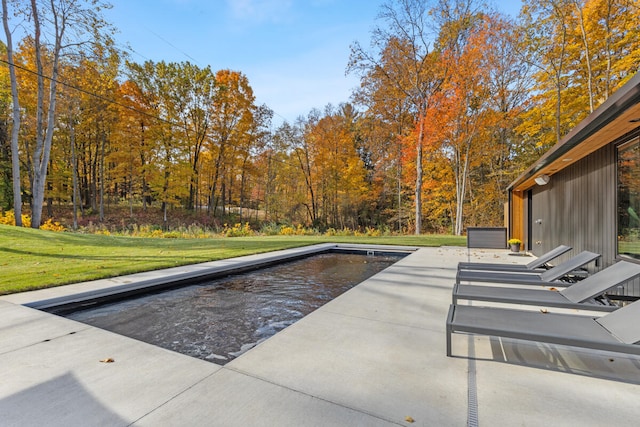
[108,360]
[409,420]
[544,311]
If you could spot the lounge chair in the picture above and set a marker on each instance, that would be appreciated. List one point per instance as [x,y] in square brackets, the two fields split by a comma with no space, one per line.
[580,295]
[536,264]
[548,277]
[616,331]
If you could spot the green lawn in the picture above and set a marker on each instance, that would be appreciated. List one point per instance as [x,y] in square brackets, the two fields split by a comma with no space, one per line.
[33,259]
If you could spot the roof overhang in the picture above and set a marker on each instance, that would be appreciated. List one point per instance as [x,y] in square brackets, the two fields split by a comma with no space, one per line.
[616,117]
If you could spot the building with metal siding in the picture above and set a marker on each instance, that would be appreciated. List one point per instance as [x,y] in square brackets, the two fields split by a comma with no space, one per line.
[570,195]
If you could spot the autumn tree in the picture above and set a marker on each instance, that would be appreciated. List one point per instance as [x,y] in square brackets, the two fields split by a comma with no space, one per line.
[175,97]
[232,116]
[101,114]
[192,92]
[284,184]
[162,148]
[506,155]
[604,51]
[255,140]
[463,108]
[334,167]
[137,116]
[582,51]
[411,69]
[59,28]
[387,119]
[545,24]
[302,150]
[69,118]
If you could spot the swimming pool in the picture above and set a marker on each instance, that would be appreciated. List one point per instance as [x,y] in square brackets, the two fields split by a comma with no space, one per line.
[219,319]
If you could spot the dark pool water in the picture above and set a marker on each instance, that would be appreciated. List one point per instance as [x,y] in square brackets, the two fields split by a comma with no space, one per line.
[221,319]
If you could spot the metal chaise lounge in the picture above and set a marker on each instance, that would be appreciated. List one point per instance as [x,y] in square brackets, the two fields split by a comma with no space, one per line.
[536,264]
[579,296]
[548,277]
[616,331]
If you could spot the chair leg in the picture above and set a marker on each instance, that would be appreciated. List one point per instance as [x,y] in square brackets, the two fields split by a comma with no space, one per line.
[449,328]
[454,294]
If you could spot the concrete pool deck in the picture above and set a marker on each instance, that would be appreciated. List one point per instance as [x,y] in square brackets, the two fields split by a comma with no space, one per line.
[374,356]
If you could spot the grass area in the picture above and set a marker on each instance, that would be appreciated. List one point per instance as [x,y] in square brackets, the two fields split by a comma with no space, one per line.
[34,259]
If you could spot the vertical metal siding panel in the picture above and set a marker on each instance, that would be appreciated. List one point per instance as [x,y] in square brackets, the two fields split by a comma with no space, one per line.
[606,238]
[578,207]
[609,235]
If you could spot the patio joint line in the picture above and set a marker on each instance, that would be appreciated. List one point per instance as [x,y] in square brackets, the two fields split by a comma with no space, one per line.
[259,378]
[151,411]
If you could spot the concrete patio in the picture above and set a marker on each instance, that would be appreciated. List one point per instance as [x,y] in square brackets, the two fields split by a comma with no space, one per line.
[375,356]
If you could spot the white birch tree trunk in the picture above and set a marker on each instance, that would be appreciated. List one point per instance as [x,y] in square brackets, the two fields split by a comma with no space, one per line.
[43,142]
[15,112]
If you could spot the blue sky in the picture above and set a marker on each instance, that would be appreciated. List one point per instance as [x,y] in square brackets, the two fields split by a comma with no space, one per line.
[294,52]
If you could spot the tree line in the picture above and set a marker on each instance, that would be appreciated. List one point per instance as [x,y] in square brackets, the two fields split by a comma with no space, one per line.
[455,100]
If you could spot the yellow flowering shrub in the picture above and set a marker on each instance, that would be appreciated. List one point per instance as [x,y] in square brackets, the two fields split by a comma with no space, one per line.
[238,230]
[9,218]
[52,226]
